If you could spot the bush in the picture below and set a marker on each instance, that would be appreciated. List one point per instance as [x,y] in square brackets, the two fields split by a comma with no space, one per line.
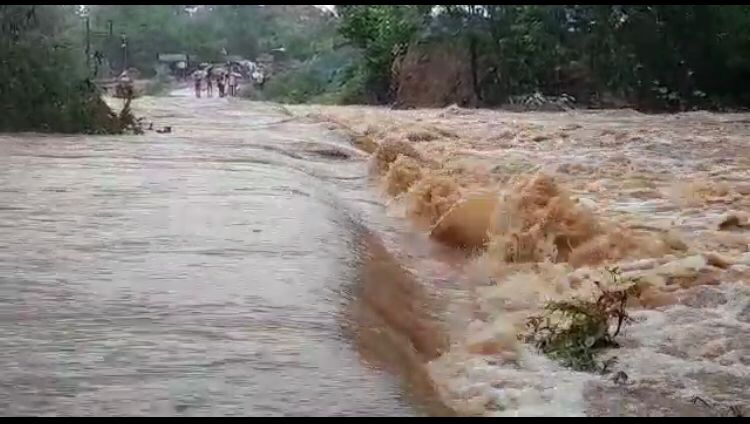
[574,332]
[43,93]
[44,83]
[656,57]
[379,30]
[294,86]
[326,78]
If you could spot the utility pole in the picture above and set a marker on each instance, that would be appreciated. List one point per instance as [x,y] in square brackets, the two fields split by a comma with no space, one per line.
[124,46]
[110,42]
[88,44]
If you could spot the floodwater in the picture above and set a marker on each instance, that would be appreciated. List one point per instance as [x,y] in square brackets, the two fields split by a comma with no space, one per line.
[253,261]
[213,270]
[544,202]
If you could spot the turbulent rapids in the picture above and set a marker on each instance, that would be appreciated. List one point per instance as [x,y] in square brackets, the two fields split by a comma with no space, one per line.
[542,204]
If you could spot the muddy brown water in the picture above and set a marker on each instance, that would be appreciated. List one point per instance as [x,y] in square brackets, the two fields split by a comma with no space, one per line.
[670,174]
[215,270]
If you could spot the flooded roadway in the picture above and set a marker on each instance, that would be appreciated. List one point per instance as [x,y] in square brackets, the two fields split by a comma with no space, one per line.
[206,271]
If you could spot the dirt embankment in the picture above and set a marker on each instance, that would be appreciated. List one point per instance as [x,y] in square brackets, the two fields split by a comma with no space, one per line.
[544,202]
[439,73]
[434,75]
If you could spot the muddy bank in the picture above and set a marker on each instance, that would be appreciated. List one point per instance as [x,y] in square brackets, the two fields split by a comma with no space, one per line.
[541,203]
[433,74]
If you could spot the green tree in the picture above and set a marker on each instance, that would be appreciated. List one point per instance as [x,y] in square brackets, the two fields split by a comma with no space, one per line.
[380,31]
[655,56]
[150,29]
[208,30]
[44,78]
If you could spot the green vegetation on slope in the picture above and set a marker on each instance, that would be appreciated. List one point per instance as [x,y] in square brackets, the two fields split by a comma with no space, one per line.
[653,57]
[324,78]
[656,57]
[209,32]
[44,85]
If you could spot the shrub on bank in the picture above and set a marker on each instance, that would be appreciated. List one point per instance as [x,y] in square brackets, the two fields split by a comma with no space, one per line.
[43,92]
[326,78]
[44,85]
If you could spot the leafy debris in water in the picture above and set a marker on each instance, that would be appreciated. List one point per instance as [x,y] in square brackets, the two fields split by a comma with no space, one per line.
[574,332]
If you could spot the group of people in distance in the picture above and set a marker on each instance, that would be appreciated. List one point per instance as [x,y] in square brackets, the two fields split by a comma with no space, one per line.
[226,82]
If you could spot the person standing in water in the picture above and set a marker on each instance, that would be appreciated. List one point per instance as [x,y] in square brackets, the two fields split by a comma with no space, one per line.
[221,83]
[197,78]
[125,88]
[232,84]
[209,83]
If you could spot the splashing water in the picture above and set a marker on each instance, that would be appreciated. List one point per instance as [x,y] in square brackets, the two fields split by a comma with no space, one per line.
[542,201]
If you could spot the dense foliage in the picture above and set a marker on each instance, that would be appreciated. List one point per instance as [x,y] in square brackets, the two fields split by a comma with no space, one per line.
[44,85]
[209,32]
[656,57]
[574,332]
[324,78]
[380,31]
